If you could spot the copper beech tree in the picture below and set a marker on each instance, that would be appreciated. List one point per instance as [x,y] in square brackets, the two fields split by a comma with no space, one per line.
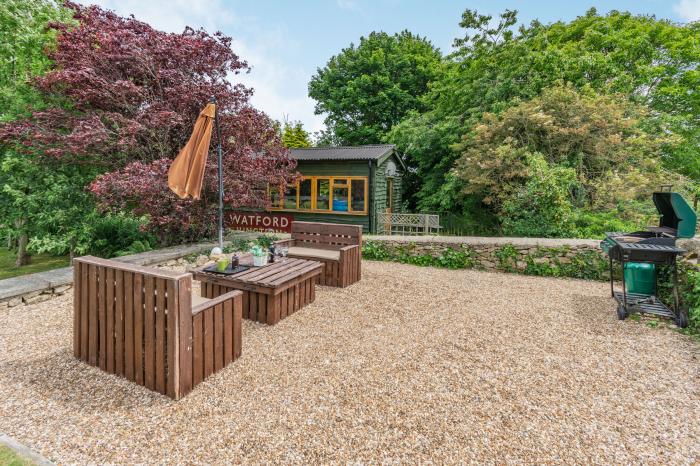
[125,97]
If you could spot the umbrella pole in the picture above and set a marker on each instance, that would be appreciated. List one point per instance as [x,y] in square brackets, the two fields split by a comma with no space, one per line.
[221,176]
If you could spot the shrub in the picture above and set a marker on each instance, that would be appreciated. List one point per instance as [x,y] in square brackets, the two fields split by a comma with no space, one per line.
[689,291]
[541,207]
[119,235]
[374,250]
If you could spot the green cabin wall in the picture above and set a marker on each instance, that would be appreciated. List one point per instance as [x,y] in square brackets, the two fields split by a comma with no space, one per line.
[377,189]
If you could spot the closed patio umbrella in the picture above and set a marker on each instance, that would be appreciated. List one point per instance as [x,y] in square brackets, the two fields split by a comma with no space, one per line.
[186,173]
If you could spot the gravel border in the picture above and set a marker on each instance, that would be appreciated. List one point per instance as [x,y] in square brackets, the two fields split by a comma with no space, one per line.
[409,365]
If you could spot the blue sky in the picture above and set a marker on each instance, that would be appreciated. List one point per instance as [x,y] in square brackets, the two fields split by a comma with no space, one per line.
[285,42]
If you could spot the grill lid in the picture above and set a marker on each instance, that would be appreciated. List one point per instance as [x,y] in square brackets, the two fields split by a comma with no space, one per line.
[675,213]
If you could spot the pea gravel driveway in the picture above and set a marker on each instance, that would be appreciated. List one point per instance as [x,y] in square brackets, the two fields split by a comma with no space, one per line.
[409,365]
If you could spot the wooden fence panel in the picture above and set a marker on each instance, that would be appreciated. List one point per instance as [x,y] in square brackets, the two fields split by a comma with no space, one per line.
[119,323]
[109,325]
[138,328]
[149,330]
[160,335]
[129,326]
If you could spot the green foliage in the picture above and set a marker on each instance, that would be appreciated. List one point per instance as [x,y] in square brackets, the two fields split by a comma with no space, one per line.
[595,141]
[374,250]
[102,236]
[455,259]
[689,291]
[118,235]
[294,135]
[25,40]
[265,240]
[366,89]
[542,206]
[690,296]
[652,64]
[586,264]
[630,217]
[447,258]
[507,258]
[238,245]
[46,202]
[34,199]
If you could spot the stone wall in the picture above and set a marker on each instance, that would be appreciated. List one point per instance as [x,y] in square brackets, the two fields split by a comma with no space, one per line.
[535,256]
[35,296]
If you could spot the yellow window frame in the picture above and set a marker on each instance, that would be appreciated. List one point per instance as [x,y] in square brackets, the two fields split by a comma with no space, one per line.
[331,183]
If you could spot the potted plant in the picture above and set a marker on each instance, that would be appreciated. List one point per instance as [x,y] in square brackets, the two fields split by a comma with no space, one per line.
[259,255]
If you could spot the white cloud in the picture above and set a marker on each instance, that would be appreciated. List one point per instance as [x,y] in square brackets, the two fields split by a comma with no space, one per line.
[173,15]
[280,88]
[347,4]
[688,9]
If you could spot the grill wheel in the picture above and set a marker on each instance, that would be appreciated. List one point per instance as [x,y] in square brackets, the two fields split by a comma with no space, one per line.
[622,312]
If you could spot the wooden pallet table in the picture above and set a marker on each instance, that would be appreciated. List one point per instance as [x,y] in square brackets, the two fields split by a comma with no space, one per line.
[271,292]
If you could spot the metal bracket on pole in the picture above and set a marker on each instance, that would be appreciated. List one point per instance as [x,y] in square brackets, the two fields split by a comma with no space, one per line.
[221,176]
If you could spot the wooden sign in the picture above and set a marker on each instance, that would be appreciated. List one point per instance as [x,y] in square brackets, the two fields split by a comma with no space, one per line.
[259,221]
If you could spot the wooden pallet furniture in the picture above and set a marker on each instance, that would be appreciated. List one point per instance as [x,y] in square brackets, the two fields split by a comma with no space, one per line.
[144,324]
[271,292]
[338,246]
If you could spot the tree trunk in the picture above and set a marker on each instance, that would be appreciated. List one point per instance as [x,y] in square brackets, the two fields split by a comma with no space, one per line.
[22,256]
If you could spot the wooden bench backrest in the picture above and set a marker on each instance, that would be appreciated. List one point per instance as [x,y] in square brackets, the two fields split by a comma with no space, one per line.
[134,321]
[326,235]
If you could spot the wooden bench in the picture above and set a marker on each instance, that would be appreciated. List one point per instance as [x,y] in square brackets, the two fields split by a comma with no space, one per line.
[270,293]
[337,246]
[140,323]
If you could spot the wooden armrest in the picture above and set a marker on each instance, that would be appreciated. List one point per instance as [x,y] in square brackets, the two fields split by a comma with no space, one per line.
[214,301]
[347,248]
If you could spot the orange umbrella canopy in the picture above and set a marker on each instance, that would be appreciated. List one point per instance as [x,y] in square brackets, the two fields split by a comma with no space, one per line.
[186,173]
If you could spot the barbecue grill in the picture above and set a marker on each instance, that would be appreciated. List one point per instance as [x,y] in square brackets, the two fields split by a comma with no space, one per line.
[640,252]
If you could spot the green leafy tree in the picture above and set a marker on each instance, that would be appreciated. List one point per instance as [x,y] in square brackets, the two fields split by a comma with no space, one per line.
[368,88]
[25,39]
[592,147]
[652,62]
[294,135]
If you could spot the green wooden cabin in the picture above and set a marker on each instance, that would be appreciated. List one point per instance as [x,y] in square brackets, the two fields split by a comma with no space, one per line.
[344,185]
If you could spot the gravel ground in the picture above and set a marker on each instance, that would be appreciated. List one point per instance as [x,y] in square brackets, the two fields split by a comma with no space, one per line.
[409,365]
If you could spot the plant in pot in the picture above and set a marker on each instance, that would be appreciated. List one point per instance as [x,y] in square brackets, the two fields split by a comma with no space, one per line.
[259,255]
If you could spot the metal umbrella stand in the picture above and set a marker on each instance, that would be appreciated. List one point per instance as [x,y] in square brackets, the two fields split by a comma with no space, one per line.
[219,162]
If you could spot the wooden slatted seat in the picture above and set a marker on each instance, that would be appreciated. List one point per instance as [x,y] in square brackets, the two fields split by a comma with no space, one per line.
[314,253]
[338,246]
[145,325]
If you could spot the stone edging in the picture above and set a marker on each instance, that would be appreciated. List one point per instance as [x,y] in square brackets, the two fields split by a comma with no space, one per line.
[24,452]
[38,287]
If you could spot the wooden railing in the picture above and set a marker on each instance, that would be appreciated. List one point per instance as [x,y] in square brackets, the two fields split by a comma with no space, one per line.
[408,224]
[139,323]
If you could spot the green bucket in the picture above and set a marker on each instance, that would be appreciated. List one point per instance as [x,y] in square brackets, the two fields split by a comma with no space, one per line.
[640,278]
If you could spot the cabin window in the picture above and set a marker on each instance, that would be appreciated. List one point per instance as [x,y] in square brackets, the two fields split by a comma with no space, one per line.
[290,197]
[323,194]
[305,194]
[341,192]
[275,197]
[344,195]
[358,188]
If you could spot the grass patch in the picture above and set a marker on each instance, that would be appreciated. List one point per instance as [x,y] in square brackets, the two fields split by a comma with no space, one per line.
[9,458]
[37,263]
